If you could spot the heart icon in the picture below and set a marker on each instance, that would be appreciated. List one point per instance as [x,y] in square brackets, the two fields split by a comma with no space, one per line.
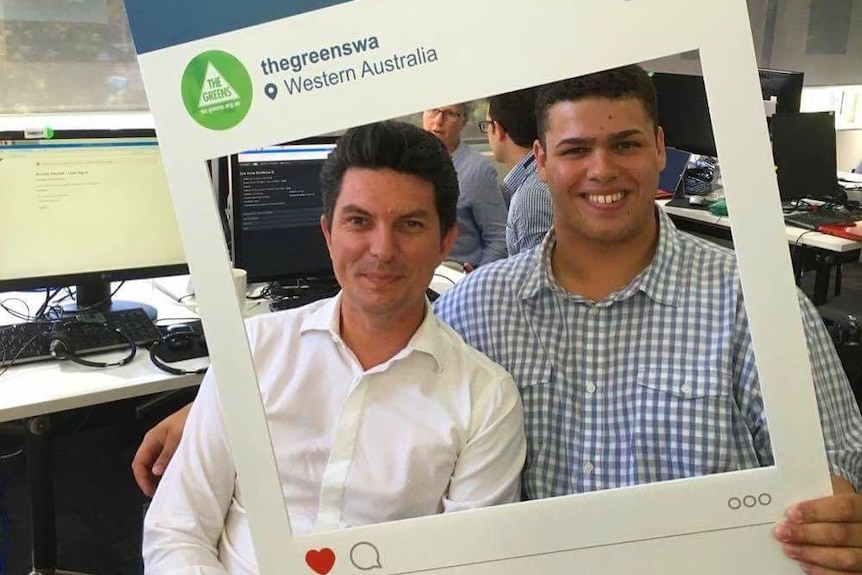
[321,561]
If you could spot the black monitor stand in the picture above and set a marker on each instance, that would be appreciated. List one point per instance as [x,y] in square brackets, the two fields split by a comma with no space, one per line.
[96,296]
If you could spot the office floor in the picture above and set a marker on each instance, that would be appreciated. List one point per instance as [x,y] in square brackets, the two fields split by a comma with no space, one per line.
[99,509]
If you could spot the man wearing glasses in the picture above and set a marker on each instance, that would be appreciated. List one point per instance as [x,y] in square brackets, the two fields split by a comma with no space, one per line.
[511,130]
[481,208]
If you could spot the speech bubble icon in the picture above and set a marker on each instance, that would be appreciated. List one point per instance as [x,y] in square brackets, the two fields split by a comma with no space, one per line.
[271,90]
[365,556]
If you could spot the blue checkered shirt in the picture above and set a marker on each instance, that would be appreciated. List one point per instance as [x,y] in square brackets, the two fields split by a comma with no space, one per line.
[655,382]
[530,209]
[525,168]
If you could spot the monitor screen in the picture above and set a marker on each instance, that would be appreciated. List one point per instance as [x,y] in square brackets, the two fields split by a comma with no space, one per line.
[674,168]
[84,207]
[782,88]
[804,149]
[276,211]
[683,113]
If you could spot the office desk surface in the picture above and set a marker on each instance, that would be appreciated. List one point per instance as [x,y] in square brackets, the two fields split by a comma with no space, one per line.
[48,386]
[797,236]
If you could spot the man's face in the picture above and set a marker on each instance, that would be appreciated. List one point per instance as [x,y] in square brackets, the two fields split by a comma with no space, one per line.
[446,123]
[602,159]
[385,242]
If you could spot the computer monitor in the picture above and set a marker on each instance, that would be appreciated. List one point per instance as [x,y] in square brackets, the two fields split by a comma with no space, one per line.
[783,88]
[804,149]
[670,178]
[683,113]
[85,208]
[276,212]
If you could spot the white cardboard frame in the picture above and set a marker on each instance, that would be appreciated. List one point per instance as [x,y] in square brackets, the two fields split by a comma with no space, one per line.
[705,524]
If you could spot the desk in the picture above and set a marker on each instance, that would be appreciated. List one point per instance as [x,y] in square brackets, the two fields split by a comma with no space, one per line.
[810,248]
[31,391]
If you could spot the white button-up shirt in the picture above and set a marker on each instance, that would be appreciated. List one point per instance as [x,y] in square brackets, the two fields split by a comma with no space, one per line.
[437,428]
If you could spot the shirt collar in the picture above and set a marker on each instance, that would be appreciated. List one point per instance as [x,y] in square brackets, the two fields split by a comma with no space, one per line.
[520,172]
[659,281]
[428,337]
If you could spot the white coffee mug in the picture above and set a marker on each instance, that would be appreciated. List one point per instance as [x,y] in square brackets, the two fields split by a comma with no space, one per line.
[239,283]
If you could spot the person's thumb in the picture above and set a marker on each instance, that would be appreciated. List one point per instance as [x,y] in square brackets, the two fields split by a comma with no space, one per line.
[165,456]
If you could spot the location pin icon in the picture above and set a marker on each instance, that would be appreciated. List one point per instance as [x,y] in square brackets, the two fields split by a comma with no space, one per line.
[271,91]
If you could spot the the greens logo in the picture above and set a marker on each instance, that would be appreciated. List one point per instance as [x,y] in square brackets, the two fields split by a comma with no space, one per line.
[216,90]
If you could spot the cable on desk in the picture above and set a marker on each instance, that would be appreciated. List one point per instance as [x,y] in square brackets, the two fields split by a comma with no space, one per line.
[448,279]
[13,312]
[805,233]
[182,297]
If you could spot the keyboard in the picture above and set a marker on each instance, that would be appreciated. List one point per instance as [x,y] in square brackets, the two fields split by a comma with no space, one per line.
[814,219]
[697,187]
[27,342]
[297,300]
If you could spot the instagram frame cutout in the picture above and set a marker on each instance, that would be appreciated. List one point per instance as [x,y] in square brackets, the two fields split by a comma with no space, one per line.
[270,75]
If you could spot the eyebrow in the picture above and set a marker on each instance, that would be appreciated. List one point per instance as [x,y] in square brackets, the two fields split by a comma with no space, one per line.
[354,209]
[615,137]
[415,214]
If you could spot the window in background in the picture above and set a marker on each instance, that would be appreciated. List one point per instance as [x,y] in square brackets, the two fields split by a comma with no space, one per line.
[845,101]
[67,56]
[60,56]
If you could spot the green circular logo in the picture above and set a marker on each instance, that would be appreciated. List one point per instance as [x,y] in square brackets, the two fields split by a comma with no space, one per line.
[216,90]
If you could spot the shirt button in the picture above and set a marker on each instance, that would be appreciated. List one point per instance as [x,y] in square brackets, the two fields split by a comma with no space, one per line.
[588,467]
[591,388]
[686,388]
[594,311]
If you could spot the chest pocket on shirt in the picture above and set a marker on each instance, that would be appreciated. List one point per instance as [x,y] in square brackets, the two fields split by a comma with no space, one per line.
[547,415]
[684,424]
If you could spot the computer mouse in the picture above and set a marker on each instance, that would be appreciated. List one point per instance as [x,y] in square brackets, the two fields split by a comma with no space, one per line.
[180,337]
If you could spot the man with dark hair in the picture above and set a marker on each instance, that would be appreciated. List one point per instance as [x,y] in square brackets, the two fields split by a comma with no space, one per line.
[585,323]
[481,208]
[377,411]
[511,130]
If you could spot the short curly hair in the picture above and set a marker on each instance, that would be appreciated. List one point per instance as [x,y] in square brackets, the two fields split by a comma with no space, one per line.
[615,84]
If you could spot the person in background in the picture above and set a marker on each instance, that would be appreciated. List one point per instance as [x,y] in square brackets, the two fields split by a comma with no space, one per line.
[481,208]
[511,128]
[377,410]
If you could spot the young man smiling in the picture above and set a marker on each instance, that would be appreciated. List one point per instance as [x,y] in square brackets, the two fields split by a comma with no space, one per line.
[629,340]
[377,411]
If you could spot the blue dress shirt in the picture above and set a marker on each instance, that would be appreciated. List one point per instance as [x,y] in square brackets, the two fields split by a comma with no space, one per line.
[655,382]
[481,210]
[531,212]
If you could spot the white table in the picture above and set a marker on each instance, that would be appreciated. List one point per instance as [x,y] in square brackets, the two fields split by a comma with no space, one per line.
[32,391]
[821,250]
[44,387]
[795,236]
